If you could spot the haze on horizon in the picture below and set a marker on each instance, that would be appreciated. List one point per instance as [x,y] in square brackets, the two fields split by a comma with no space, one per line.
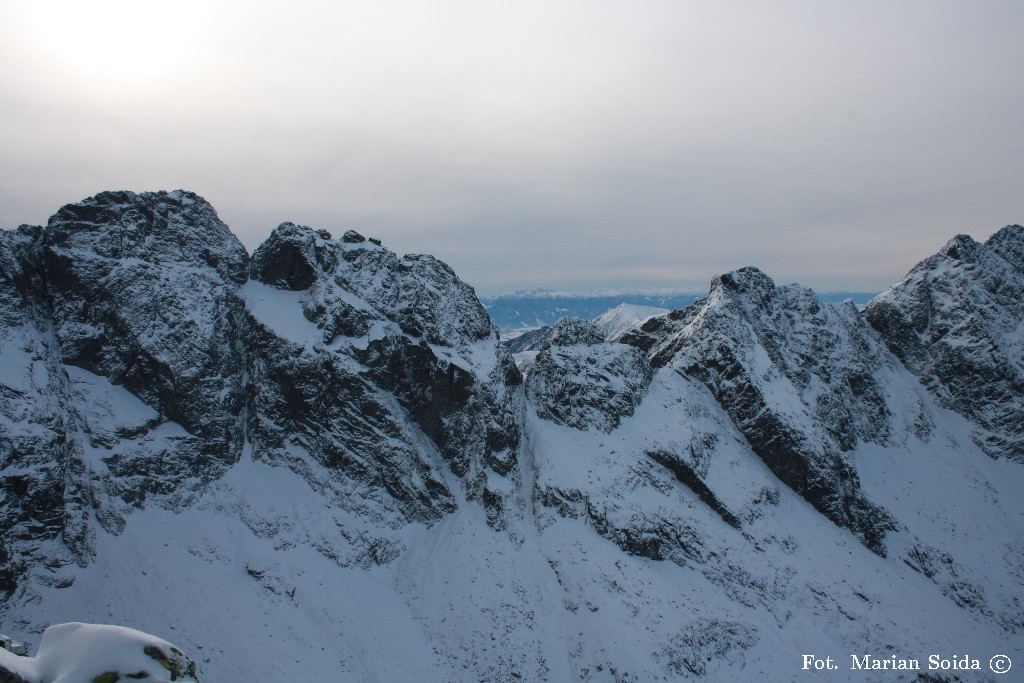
[574,144]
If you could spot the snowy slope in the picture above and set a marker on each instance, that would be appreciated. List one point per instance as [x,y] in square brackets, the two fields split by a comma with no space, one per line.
[803,380]
[554,600]
[384,496]
[615,322]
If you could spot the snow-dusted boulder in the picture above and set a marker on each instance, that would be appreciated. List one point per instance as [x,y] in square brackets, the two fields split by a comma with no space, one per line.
[94,653]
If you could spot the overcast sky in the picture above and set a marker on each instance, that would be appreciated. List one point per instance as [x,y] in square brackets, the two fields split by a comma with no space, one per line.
[571,144]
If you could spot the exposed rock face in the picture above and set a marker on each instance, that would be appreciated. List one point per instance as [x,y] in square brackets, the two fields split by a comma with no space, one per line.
[43,495]
[367,329]
[574,332]
[143,290]
[144,364]
[955,322]
[255,435]
[802,380]
[137,291]
[582,381]
[134,290]
[533,340]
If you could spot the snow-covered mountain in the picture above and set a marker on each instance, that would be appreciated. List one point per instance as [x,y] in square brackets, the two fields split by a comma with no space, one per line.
[522,311]
[319,463]
[955,321]
[615,322]
[526,310]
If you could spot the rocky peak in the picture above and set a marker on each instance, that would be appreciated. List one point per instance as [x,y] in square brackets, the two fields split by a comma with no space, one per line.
[800,379]
[439,306]
[292,257]
[143,293]
[154,227]
[749,283]
[120,318]
[582,381]
[574,332]
[351,280]
[1008,243]
[400,342]
[961,248]
[954,321]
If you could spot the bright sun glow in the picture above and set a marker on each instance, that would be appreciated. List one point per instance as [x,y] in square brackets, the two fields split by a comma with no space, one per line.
[118,40]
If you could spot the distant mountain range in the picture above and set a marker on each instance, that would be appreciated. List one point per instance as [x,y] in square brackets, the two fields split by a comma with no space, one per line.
[526,310]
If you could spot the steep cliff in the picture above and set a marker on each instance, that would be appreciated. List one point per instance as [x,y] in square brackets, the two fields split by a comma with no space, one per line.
[955,322]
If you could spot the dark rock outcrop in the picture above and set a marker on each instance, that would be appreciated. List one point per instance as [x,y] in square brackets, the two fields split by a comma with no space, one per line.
[579,380]
[686,475]
[799,379]
[143,290]
[533,340]
[144,363]
[290,259]
[955,322]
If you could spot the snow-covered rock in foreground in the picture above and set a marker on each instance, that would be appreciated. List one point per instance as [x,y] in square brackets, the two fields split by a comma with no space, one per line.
[93,653]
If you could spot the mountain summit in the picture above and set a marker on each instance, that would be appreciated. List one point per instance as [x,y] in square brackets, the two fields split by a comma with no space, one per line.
[318,462]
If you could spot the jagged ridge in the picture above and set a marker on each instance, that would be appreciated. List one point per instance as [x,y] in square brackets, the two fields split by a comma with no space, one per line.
[955,322]
[260,432]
